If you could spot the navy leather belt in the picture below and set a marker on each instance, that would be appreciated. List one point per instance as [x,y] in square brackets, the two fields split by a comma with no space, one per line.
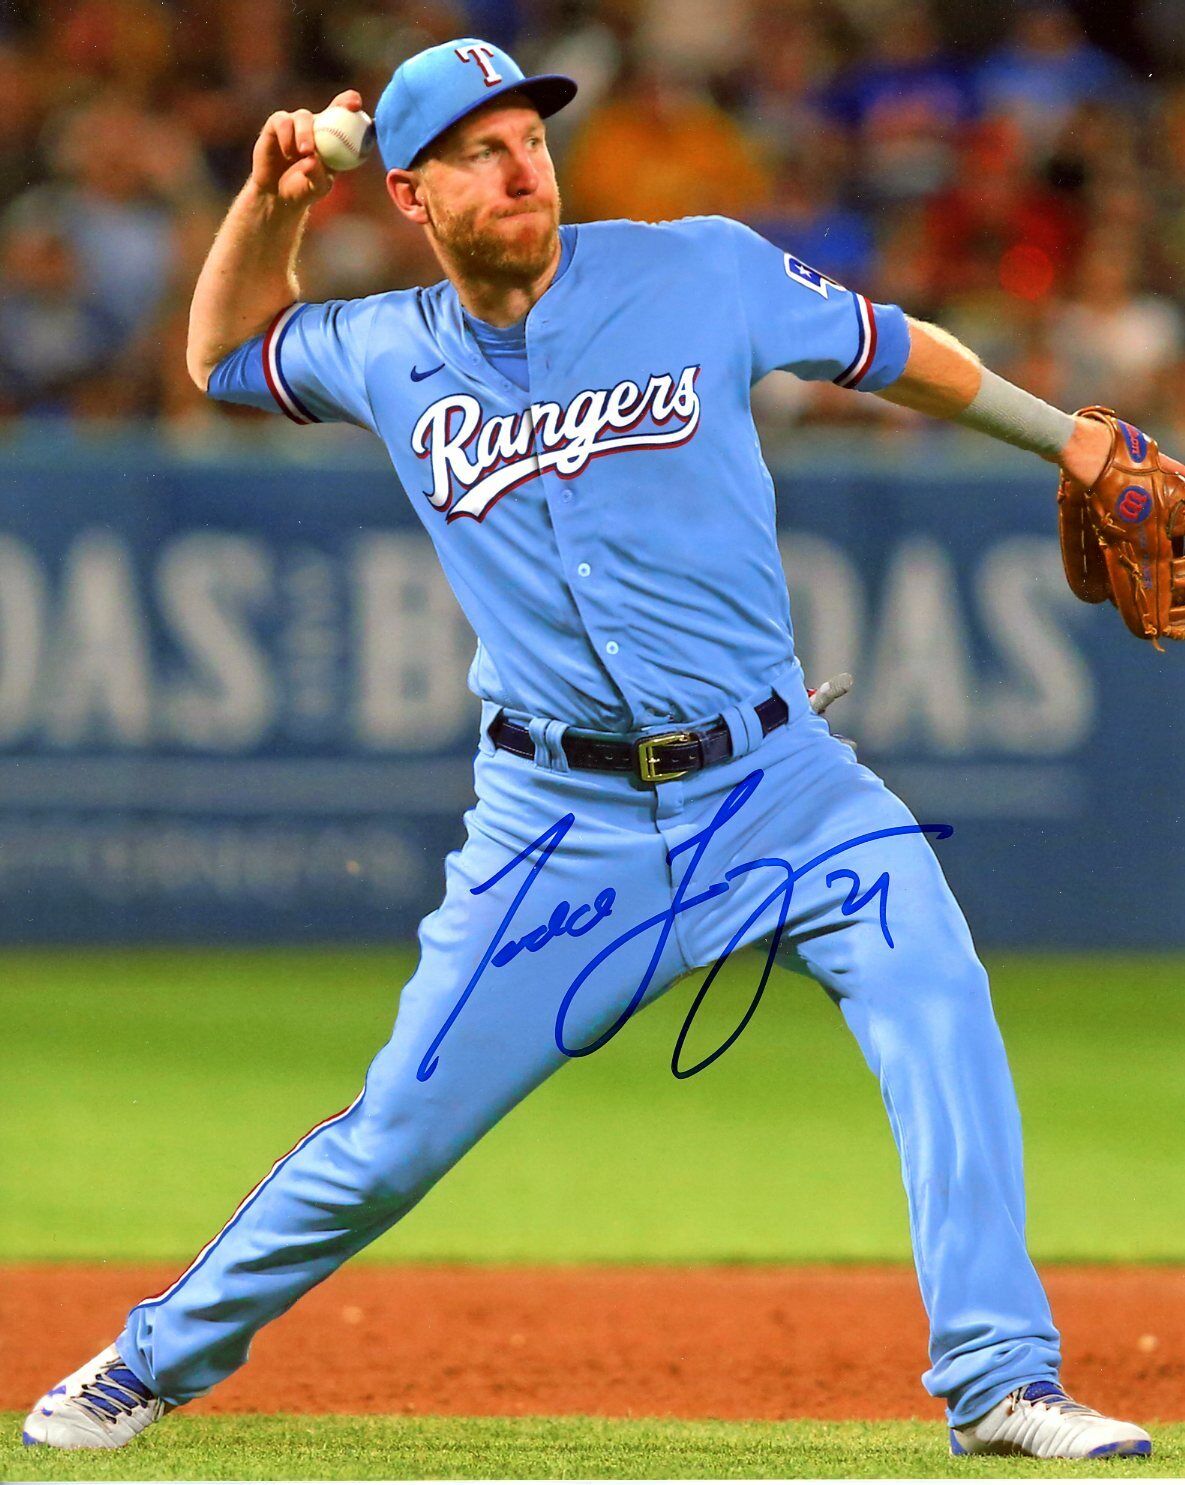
[655,759]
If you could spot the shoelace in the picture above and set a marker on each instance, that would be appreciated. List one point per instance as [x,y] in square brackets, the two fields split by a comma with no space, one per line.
[113,1393]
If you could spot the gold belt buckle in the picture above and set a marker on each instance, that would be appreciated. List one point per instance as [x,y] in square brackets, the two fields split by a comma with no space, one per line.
[647,768]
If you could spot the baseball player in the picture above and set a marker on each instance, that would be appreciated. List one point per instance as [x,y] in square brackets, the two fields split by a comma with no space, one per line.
[568,411]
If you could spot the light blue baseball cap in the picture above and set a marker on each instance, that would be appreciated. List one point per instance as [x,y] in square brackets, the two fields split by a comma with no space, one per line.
[431,91]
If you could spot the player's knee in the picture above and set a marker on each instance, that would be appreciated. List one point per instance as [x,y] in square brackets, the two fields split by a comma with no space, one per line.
[952,972]
[944,986]
[950,998]
[396,1159]
[393,1182]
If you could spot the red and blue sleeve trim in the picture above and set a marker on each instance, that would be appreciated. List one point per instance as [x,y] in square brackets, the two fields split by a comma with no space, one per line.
[865,355]
[278,384]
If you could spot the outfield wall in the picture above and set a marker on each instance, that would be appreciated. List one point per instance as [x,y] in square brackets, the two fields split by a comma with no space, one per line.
[232,699]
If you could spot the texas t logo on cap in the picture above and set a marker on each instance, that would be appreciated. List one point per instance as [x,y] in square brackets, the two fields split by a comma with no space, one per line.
[436,88]
[477,51]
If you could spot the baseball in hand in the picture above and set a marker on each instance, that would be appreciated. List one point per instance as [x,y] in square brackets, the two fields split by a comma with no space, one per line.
[343,137]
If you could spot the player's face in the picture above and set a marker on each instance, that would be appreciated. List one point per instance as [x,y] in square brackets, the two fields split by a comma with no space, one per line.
[490,193]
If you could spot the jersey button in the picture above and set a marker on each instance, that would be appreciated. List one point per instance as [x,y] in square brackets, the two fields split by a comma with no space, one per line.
[612,647]
[584,570]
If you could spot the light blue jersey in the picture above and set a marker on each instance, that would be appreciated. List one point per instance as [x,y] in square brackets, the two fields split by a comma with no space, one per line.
[610,532]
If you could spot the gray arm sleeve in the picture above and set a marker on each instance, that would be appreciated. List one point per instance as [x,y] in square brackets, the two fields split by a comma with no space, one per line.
[1017,417]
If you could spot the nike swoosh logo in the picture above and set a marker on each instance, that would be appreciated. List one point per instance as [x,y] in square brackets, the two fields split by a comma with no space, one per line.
[418,376]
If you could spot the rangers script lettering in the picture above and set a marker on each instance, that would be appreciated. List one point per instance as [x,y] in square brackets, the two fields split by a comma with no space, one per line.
[509,450]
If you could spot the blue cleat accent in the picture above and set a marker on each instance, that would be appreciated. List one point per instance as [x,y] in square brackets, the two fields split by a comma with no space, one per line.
[1127,1450]
[955,1446]
[29,1441]
[1043,1391]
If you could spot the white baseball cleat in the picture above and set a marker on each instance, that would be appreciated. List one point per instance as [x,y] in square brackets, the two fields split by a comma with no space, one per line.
[1041,1421]
[102,1405]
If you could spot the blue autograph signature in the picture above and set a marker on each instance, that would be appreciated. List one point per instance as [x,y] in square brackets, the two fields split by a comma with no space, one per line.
[575,922]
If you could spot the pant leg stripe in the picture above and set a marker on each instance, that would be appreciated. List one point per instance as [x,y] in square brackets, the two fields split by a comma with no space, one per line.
[156,1299]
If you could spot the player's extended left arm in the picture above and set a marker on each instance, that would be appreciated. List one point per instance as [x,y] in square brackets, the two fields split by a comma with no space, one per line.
[1121,502]
[944,379]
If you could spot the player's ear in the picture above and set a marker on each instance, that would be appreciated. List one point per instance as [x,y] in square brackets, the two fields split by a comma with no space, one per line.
[405,188]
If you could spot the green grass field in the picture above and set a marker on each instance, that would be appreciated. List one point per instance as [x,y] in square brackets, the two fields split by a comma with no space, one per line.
[205,1066]
[334,1448]
[199,1068]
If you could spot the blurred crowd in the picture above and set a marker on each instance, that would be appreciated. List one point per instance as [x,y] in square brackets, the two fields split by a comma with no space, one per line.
[1013,172]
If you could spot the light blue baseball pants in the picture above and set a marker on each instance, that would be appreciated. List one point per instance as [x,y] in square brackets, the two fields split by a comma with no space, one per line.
[478,1023]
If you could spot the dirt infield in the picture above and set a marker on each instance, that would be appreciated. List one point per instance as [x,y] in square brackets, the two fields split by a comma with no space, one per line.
[688,1343]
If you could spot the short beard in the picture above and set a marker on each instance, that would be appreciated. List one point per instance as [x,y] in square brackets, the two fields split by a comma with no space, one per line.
[487,254]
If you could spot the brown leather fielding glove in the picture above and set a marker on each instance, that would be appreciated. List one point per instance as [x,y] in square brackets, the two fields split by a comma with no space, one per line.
[1124,537]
